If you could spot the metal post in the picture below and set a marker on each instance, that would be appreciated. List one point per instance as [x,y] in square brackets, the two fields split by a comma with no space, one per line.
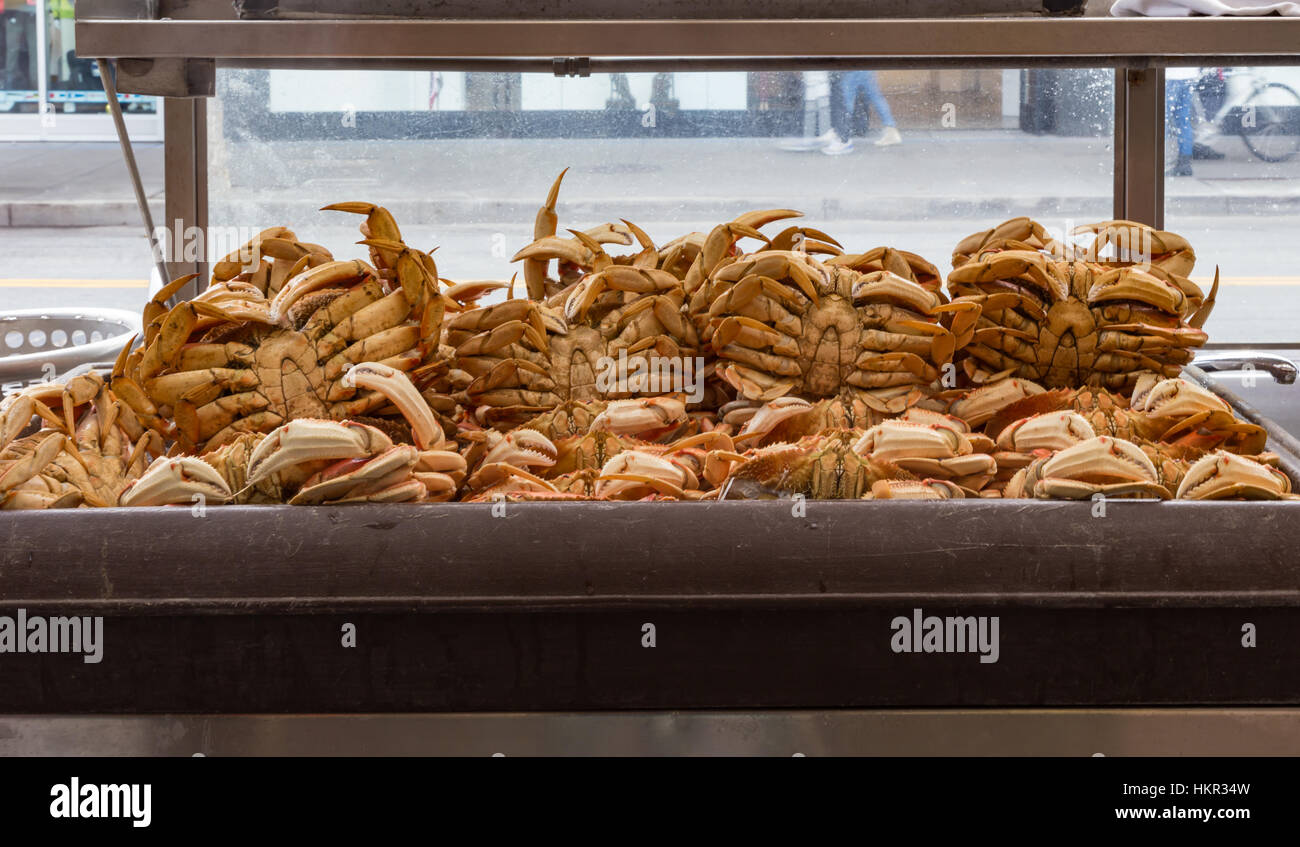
[1140,145]
[185,156]
[42,72]
[128,153]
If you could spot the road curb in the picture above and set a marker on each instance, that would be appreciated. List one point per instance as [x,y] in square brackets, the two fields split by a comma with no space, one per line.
[75,213]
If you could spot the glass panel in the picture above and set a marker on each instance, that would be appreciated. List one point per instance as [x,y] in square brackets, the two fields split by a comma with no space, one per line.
[19,75]
[69,226]
[1233,190]
[74,85]
[463,160]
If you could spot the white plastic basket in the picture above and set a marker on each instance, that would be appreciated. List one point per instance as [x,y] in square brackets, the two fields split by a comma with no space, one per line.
[47,343]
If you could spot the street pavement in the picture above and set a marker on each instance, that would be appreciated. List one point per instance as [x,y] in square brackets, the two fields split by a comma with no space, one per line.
[955,174]
[109,266]
[475,200]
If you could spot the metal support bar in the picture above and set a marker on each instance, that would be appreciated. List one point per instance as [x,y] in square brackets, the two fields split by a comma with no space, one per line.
[1103,40]
[700,64]
[128,153]
[1140,146]
[832,732]
[167,77]
[185,153]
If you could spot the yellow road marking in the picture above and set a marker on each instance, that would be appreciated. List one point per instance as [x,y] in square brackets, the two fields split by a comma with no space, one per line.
[1206,281]
[73,283]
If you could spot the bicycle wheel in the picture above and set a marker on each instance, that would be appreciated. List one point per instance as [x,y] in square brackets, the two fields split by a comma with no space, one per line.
[1274,111]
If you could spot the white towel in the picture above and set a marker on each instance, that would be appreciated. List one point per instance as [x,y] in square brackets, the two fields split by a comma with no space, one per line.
[1183,8]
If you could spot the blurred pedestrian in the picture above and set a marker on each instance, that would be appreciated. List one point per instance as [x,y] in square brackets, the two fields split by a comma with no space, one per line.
[817,129]
[864,82]
[1178,116]
[19,25]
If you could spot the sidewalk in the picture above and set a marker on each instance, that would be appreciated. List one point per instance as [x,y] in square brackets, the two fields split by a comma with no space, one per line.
[47,184]
[936,174]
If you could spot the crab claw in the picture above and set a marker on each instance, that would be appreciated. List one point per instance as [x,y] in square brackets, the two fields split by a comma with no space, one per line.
[309,440]
[397,387]
[176,481]
[17,415]
[1049,431]
[770,415]
[915,489]
[385,478]
[633,474]
[979,405]
[1102,465]
[524,448]
[379,224]
[646,417]
[327,275]
[1221,475]
[555,247]
[1176,397]
[544,226]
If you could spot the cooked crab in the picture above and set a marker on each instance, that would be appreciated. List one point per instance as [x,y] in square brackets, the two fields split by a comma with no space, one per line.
[1173,412]
[819,467]
[1067,324]
[311,461]
[88,454]
[783,323]
[222,367]
[525,357]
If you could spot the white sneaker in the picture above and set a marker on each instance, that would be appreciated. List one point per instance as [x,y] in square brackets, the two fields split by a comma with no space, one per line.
[838,147]
[889,137]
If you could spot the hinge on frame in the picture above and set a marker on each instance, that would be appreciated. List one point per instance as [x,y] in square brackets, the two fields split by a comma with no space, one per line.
[571,66]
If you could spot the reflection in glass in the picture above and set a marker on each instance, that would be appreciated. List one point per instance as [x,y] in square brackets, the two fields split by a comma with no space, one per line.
[464,159]
[1233,190]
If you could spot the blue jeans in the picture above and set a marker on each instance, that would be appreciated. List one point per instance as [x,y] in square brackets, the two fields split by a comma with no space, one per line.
[865,81]
[1178,114]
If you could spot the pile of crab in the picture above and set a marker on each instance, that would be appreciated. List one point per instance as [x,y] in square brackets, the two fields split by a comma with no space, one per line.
[732,364]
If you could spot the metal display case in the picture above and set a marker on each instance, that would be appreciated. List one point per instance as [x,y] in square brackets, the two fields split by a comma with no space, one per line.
[1148,628]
